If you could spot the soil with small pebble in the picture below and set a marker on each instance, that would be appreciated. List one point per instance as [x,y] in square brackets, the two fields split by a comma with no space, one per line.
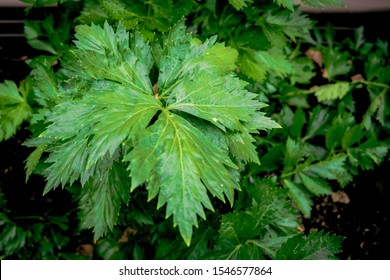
[360,213]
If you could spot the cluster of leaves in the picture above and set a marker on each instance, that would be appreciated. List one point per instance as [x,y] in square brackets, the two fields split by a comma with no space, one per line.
[176,137]
[327,145]
[137,108]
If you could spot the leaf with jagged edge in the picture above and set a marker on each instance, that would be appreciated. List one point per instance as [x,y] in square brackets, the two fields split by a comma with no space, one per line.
[179,163]
[368,154]
[338,129]
[33,160]
[92,12]
[289,4]
[146,16]
[102,196]
[315,185]
[256,64]
[13,238]
[293,155]
[315,246]
[166,134]
[318,122]
[270,211]
[332,168]
[45,85]
[281,25]
[105,54]
[14,109]
[332,91]
[240,4]
[274,206]
[242,148]
[299,196]
[86,138]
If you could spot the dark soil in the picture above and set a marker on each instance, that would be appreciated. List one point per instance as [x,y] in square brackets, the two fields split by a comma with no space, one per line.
[361,212]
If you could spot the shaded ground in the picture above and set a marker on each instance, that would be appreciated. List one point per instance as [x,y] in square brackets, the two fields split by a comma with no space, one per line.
[361,214]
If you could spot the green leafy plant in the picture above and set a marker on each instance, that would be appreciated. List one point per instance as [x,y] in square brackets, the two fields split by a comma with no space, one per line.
[146,109]
[176,137]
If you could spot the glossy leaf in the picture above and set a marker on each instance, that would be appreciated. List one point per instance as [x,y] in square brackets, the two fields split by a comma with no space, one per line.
[316,246]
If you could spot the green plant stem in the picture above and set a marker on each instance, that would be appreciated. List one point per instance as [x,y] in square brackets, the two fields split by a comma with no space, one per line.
[368,83]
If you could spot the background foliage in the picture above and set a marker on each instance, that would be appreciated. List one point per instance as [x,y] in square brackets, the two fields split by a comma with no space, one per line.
[114,106]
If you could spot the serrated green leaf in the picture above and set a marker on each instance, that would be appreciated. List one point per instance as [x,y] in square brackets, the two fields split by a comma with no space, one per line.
[32,32]
[14,109]
[240,4]
[85,139]
[261,122]
[316,246]
[336,63]
[270,211]
[45,85]
[106,54]
[147,16]
[318,122]
[367,154]
[272,160]
[289,4]
[294,153]
[102,196]
[13,238]
[256,64]
[272,207]
[332,168]
[379,107]
[181,163]
[301,198]
[33,159]
[92,12]
[211,102]
[336,132]
[303,70]
[315,185]
[221,57]
[240,226]
[47,36]
[332,91]
[292,24]
[352,136]
[242,147]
